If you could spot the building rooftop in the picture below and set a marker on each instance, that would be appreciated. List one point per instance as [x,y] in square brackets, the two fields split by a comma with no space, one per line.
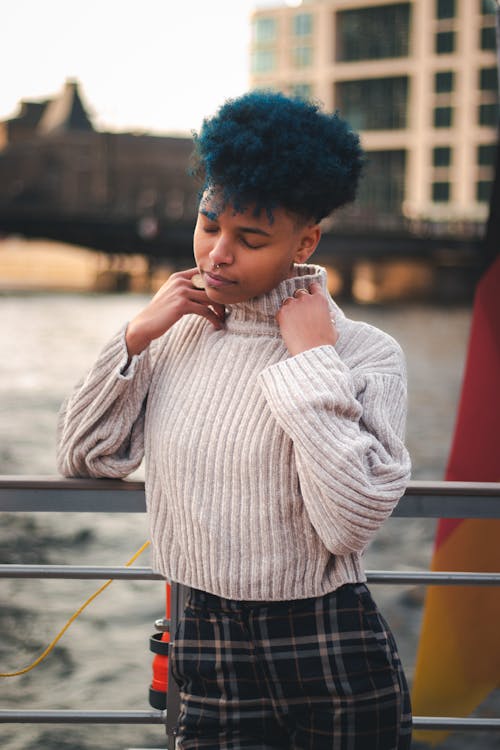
[65,112]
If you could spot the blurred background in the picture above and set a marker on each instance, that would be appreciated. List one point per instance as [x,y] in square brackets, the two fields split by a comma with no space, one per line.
[98,102]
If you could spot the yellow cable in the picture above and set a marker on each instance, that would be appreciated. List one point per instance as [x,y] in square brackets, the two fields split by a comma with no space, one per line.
[72,619]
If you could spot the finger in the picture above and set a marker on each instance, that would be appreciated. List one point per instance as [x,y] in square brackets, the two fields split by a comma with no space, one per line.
[210,315]
[286,301]
[188,273]
[219,309]
[315,288]
[197,281]
[177,279]
[200,297]
[300,292]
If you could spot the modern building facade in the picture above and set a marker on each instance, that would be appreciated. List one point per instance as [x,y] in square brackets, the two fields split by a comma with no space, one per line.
[418,79]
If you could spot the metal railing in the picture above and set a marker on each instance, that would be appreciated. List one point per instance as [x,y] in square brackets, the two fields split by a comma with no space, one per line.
[54,494]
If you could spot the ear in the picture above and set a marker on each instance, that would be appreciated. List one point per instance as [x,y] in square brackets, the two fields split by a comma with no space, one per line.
[307,243]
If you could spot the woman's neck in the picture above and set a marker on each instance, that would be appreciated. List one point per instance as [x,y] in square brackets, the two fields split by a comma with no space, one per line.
[258,315]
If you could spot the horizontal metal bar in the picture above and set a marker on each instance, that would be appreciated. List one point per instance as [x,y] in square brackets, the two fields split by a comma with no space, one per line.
[60,495]
[448,506]
[424,488]
[84,572]
[57,494]
[59,483]
[159,717]
[79,571]
[83,717]
[456,724]
[433,577]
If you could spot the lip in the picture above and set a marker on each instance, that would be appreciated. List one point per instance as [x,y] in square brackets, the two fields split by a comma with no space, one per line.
[214,280]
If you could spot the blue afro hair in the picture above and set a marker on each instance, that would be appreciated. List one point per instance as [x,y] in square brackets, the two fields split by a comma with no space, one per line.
[268,150]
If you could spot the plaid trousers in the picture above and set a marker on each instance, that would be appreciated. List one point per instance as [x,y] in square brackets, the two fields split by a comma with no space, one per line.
[311,673]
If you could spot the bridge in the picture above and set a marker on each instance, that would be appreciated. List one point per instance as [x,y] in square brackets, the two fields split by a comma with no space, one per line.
[161,239]
[455,262]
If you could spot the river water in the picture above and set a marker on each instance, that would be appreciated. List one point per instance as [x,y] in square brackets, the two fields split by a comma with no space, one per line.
[103,662]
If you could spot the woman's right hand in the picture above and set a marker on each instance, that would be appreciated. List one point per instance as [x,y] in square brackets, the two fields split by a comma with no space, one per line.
[175,298]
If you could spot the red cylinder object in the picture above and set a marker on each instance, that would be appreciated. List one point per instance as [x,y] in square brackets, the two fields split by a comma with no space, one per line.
[159,645]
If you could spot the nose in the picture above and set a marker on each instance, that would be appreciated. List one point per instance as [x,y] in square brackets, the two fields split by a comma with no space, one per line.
[221,252]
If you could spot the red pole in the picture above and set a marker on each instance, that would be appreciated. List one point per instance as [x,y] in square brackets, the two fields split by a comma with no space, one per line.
[159,644]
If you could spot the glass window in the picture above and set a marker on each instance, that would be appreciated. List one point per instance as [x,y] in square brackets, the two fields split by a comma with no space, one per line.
[440,192]
[483,191]
[488,37]
[382,186]
[373,33]
[488,114]
[488,79]
[302,57]
[445,8]
[302,24]
[441,156]
[263,60]
[443,117]
[488,7]
[265,29]
[303,90]
[486,155]
[374,103]
[444,81]
[445,42]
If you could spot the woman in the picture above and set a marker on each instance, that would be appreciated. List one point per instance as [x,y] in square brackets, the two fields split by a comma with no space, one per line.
[272,431]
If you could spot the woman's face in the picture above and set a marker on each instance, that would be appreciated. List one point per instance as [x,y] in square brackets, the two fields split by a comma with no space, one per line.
[241,256]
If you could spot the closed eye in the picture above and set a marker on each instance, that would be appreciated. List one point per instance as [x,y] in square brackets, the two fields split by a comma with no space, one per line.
[249,245]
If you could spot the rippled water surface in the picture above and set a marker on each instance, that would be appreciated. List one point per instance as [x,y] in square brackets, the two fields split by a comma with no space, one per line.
[47,343]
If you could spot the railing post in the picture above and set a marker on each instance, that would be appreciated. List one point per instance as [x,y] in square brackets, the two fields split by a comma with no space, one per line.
[178,595]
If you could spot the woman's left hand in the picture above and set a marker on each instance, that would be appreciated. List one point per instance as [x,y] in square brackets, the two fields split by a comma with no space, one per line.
[305,320]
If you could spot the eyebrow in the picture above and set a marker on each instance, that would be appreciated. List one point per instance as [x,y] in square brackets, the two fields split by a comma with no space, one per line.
[249,230]
[254,230]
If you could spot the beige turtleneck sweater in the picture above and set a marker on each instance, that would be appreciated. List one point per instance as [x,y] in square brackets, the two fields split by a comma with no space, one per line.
[266,475]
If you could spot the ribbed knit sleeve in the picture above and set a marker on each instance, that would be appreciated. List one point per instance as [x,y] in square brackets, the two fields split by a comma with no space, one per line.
[347,430]
[101,425]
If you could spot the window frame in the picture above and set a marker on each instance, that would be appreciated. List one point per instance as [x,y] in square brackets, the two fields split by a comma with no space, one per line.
[481,187]
[437,185]
[300,32]
[300,60]
[445,9]
[261,53]
[488,38]
[437,162]
[482,149]
[371,90]
[447,49]
[439,111]
[441,90]
[347,19]
[485,120]
[258,37]
[485,73]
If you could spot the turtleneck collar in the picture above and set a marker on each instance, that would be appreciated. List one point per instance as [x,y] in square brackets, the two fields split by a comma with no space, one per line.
[258,315]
